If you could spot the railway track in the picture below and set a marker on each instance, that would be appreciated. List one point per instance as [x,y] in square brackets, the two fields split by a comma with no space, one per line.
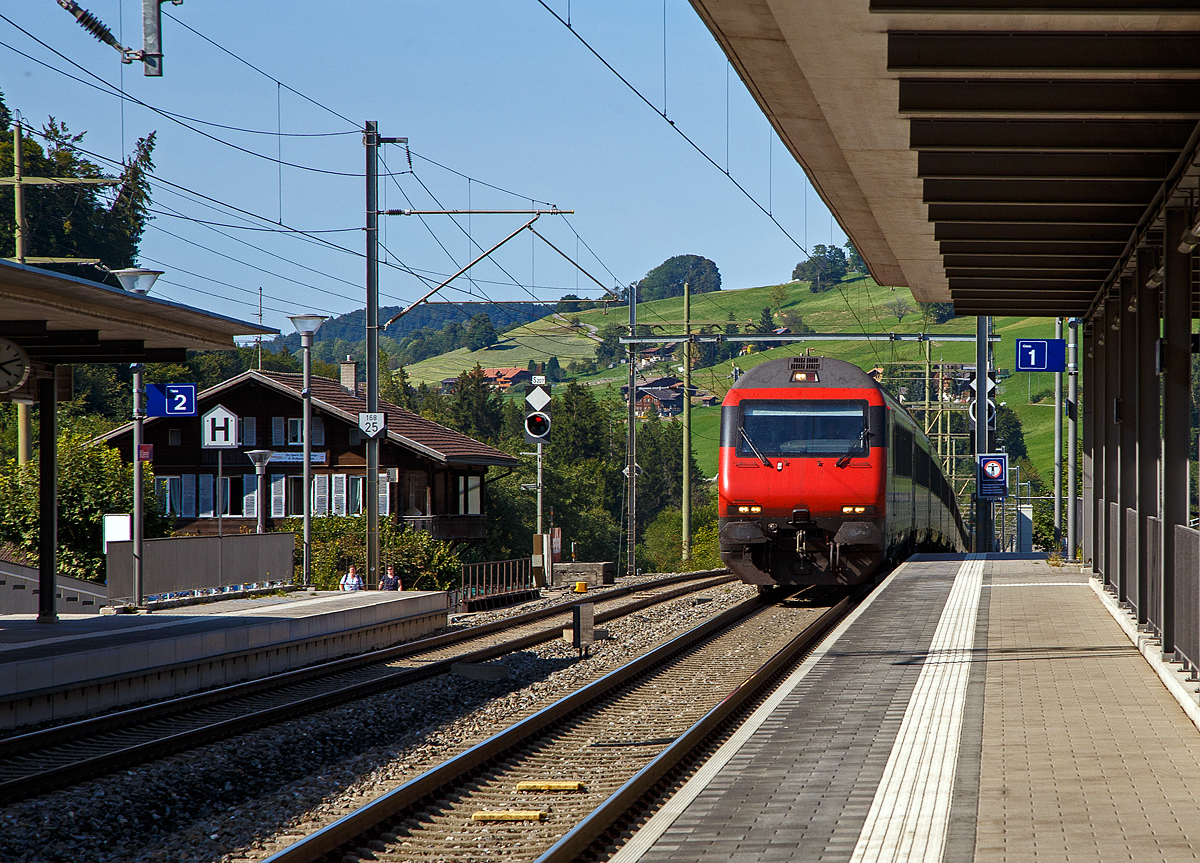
[593,754]
[37,761]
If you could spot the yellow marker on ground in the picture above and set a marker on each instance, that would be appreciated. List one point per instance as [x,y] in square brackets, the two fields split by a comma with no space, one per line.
[581,587]
[551,785]
[510,815]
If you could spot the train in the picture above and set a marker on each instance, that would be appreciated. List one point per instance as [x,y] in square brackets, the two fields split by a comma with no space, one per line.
[825,478]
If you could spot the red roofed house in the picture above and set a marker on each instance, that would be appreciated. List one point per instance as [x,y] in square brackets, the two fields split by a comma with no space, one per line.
[503,379]
[439,472]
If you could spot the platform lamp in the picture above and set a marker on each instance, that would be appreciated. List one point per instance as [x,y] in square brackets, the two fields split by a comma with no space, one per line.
[137,280]
[307,326]
[260,457]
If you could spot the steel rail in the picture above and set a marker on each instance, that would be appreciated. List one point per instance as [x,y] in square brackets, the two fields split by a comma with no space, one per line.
[76,771]
[350,828]
[577,840]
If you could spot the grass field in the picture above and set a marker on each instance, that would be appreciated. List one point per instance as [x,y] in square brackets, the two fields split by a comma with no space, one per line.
[854,307]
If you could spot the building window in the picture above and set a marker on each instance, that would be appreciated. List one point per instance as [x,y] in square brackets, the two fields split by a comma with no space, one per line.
[414,493]
[295,495]
[295,432]
[354,494]
[173,437]
[355,436]
[469,488]
[169,490]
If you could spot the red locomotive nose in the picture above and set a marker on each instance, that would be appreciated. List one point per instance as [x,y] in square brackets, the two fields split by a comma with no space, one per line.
[823,476]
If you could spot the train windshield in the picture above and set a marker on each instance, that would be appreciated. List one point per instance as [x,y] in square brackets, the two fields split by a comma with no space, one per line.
[813,427]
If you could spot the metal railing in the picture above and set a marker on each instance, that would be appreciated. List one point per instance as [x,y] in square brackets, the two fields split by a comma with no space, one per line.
[1131,559]
[1187,600]
[495,578]
[1154,553]
[1112,556]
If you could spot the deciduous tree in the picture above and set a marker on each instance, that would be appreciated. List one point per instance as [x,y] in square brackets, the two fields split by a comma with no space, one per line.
[668,278]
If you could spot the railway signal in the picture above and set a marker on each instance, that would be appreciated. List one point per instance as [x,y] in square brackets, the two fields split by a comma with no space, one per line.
[537,413]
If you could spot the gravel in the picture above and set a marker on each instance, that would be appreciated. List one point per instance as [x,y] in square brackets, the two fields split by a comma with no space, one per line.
[241,799]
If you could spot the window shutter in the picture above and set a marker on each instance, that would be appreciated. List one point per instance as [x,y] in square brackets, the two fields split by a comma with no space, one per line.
[206,495]
[188,505]
[385,496]
[250,495]
[278,429]
[318,431]
[339,494]
[278,495]
[249,431]
[321,494]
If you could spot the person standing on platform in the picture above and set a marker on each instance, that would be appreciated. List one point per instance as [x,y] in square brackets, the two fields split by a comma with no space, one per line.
[351,580]
[390,581]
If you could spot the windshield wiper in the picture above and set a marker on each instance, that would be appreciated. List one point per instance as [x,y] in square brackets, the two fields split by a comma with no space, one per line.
[850,453]
[753,448]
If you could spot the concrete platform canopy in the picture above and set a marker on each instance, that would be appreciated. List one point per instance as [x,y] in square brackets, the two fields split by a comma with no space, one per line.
[1008,156]
[56,320]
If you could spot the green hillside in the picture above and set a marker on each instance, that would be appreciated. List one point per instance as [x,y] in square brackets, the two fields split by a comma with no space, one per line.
[854,307]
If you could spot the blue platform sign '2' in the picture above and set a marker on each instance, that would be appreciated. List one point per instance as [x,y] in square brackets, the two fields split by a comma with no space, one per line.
[171,400]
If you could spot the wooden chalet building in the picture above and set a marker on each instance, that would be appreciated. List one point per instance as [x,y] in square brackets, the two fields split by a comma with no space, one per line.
[439,472]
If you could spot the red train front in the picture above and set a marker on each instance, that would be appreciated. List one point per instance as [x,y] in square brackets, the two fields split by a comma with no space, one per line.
[824,477]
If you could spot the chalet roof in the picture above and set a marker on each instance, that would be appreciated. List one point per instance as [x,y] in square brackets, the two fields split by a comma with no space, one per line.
[662,394]
[404,427]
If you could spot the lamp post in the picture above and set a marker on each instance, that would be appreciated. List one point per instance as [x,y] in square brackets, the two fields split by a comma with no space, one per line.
[307,326]
[137,280]
[260,457]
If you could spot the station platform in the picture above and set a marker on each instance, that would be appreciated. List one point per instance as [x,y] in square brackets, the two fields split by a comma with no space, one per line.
[86,662]
[973,708]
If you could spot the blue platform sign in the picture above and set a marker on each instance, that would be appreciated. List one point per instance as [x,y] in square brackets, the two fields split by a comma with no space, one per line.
[1041,355]
[993,476]
[170,400]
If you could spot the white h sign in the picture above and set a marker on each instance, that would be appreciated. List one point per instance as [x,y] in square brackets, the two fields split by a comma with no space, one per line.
[218,429]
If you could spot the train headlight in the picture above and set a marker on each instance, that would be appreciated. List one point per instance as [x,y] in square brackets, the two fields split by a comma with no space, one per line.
[746,509]
[858,509]
[805,377]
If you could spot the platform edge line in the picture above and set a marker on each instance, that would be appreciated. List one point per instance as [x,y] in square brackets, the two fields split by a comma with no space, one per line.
[643,840]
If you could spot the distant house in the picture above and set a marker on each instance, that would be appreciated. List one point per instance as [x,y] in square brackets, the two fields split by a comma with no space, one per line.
[667,402]
[436,474]
[506,379]
[658,382]
[650,356]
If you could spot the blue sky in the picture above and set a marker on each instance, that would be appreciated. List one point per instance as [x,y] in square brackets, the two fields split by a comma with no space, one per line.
[498,91]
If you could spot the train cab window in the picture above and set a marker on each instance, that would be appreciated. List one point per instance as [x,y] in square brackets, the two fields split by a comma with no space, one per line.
[803,427]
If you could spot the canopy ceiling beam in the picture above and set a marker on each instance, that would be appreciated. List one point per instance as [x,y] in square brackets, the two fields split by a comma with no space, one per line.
[1006,51]
[1023,96]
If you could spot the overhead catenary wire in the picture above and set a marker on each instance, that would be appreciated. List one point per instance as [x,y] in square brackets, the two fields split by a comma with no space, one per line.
[112,90]
[700,150]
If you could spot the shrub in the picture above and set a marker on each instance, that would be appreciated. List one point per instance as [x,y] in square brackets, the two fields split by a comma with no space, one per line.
[422,562]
